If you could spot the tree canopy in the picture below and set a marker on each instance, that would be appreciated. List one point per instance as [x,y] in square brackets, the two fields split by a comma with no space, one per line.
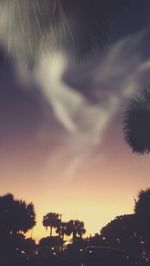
[142,208]
[137,123]
[15,215]
[75,26]
[51,220]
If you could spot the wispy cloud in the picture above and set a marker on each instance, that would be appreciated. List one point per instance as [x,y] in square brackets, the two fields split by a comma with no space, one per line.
[117,76]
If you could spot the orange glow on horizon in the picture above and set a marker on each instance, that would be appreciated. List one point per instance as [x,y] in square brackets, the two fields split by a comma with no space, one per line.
[95,216]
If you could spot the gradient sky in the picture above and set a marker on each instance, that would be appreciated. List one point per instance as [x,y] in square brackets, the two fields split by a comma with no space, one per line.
[61,139]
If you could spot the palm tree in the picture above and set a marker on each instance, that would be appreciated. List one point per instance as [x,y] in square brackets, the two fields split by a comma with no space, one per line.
[137,123]
[51,220]
[76,26]
[61,229]
[76,228]
[15,215]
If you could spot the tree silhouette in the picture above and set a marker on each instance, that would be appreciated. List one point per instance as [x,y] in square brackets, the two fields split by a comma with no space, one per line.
[15,215]
[51,220]
[123,232]
[142,212]
[120,227]
[76,26]
[62,229]
[24,246]
[132,232]
[76,228]
[29,247]
[137,123]
[142,206]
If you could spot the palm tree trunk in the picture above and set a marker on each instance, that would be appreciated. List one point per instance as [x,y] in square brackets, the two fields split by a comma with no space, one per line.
[62,245]
[74,237]
[51,230]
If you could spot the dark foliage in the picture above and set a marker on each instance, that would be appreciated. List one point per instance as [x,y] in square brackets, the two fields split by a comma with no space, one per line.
[50,245]
[122,232]
[88,23]
[76,228]
[142,206]
[137,123]
[128,235]
[142,212]
[51,220]
[76,26]
[15,215]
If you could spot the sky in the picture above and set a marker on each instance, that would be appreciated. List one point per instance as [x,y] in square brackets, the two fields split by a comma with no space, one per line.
[61,127]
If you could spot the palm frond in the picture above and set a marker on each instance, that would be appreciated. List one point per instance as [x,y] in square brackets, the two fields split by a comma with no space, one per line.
[78,26]
[137,123]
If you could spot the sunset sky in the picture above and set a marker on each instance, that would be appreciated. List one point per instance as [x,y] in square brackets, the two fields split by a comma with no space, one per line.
[61,128]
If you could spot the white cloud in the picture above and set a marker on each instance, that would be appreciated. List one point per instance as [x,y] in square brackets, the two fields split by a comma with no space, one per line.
[115,78]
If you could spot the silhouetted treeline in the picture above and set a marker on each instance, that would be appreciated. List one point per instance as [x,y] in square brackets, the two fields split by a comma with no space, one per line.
[129,233]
